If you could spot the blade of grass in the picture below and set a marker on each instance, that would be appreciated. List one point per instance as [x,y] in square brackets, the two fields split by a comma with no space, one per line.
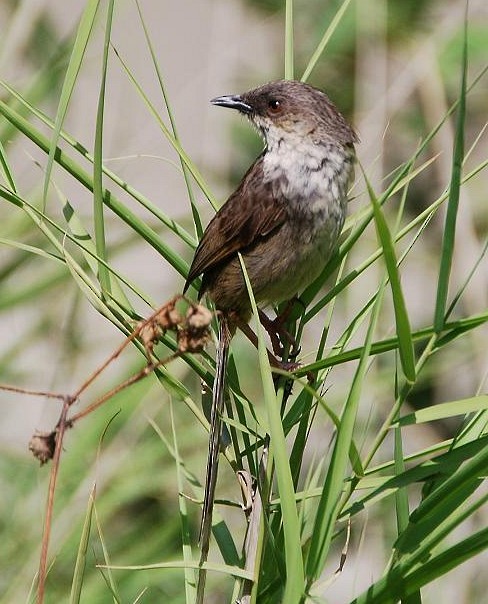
[394,585]
[194,210]
[88,249]
[43,222]
[441,509]
[31,249]
[7,173]
[403,330]
[324,40]
[289,52]
[98,218]
[429,533]
[77,55]
[454,190]
[448,559]
[79,148]
[80,565]
[328,508]
[445,410]
[73,168]
[278,452]
[235,571]
[110,580]
[190,576]
[453,330]
[171,139]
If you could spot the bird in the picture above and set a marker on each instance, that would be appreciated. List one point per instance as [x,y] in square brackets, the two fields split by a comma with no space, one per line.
[283,220]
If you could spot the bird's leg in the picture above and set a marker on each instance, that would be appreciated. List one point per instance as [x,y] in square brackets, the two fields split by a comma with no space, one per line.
[252,337]
[276,329]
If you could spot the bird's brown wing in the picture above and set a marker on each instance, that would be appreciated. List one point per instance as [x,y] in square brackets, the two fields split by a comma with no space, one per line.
[252,212]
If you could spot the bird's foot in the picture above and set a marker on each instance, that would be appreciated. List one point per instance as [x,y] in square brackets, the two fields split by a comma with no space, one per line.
[278,334]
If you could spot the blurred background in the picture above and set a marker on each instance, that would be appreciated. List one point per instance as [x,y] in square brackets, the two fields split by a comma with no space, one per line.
[392,67]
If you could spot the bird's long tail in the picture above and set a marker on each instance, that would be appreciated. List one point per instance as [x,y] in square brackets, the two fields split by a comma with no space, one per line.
[218,397]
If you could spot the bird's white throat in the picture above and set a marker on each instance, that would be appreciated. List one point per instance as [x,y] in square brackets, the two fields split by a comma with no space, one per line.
[306,169]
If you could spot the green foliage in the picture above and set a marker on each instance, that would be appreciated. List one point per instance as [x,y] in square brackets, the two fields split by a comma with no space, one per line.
[333,457]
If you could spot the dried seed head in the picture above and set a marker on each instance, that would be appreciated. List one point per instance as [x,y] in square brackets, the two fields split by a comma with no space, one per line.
[42,445]
[195,333]
[153,329]
[168,317]
[198,317]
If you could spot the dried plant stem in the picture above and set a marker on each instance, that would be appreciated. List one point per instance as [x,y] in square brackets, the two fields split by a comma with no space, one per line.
[61,428]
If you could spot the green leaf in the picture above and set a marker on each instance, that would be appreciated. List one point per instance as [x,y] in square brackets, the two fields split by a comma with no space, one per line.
[80,565]
[453,202]
[293,553]
[329,504]
[98,218]
[405,342]
[77,56]
[445,410]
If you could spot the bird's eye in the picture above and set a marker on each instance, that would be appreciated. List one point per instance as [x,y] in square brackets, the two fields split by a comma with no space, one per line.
[274,106]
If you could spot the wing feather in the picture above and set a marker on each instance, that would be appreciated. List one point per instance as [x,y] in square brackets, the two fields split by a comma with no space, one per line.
[250,213]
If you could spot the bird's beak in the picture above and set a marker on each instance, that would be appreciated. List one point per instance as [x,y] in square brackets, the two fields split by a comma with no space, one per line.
[233,102]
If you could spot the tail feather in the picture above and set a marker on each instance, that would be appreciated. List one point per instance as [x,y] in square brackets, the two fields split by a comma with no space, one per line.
[218,397]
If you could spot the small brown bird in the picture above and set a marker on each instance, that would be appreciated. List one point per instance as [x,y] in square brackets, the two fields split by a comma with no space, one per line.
[284,219]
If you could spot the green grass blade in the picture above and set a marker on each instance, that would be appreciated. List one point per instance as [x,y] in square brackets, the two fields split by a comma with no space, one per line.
[402,510]
[394,586]
[80,565]
[74,66]
[278,451]
[170,137]
[440,467]
[7,173]
[453,202]
[452,557]
[328,508]
[186,175]
[439,509]
[109,199]
[78,236]
[98,217]
[453,330]
[31,249]
[190,576]
[445,410]
[289,50]
[79,148]
[110,579]
[405,343]
[329,32]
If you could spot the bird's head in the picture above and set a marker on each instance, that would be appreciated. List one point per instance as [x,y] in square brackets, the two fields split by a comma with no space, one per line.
[287,108]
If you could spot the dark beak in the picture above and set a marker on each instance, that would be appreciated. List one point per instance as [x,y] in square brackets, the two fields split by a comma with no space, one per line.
[233,102]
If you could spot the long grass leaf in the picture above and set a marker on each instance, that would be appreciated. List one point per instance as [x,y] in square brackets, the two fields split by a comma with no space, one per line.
[82,238]
[77,55]
[169,136]
[80,149]
[328,508]
[405,343]
[329,32]
[80,565]
[289,36]
[7,172]
[109,199]
[445,410]
[190,579]
[186,175]
[293,553]
[454,191]
[98,214]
